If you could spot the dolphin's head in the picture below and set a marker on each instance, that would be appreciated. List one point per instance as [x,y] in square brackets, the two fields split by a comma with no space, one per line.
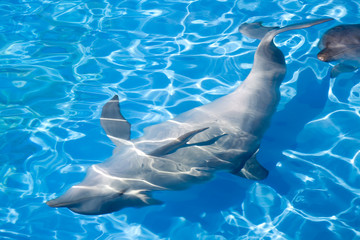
[100,200]
[101,193]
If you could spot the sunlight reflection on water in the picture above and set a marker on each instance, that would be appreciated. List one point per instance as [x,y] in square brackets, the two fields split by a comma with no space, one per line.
[61,61]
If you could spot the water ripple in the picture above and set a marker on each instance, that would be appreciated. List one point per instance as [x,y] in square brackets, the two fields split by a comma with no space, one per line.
[61,60]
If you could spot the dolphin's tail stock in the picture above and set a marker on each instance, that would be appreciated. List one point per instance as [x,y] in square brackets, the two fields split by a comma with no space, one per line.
[258,31]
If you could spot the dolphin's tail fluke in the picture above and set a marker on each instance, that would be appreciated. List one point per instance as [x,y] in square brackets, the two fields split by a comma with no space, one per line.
[256,30]
[300,26]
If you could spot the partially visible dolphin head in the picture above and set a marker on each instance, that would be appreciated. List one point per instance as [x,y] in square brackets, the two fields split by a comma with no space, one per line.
[340,42]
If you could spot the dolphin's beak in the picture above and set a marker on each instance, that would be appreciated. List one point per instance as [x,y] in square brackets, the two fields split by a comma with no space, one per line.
[68,199]
[59,202]
[55,203]
[324,55]
[321,57]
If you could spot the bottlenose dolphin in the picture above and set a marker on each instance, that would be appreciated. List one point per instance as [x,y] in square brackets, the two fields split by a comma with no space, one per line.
[222,135]
[341,43]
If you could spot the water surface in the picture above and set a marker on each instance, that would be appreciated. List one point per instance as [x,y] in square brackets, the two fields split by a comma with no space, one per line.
[60,61]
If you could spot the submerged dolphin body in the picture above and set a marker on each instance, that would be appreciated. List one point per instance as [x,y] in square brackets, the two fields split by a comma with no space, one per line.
[223,135]
[341,43]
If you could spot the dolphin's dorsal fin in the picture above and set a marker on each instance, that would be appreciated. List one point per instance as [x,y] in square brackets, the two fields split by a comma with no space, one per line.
[252,170]
[341,68]
[176,144]
[113,122]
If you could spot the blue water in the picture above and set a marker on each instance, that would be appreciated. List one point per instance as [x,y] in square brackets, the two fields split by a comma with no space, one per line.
[60,61]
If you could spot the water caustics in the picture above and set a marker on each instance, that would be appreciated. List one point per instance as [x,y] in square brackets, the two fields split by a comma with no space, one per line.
[60,60]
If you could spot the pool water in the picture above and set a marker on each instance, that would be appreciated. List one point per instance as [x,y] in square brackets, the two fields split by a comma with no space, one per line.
[60,61]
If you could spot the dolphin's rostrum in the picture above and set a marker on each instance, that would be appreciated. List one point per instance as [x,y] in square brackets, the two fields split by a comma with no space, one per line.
[222,135]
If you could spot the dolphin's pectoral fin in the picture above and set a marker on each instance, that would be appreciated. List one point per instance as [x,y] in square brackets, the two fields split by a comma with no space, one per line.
[113,122]
[176,144]
[208,142]
[252,170]
[341,68]
[146,198]
[255,30]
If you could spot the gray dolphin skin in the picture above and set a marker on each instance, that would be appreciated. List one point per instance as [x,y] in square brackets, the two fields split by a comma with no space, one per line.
[223,135]
[341,43]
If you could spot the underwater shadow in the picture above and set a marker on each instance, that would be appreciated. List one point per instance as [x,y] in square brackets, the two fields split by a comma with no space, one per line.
[309,102]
